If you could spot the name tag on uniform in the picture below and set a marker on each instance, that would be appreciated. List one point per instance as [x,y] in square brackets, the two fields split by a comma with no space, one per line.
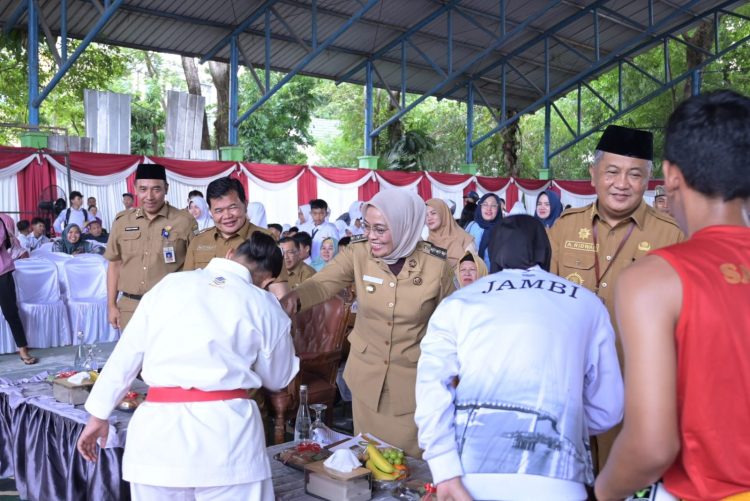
[132,228]
[375,280]
[168,253]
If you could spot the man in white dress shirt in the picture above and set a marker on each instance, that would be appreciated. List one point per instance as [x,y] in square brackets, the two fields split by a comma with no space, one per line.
[73,214]
[516,371]
[319,229]
[202,339]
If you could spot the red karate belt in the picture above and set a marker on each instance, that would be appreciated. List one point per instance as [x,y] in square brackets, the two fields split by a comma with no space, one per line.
[165,394]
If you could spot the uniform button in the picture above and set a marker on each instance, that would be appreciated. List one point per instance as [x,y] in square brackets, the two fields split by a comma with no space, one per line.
[609,258]
[390,305]
[604,284]
[390,323]
[387,343]
[385,362]
[392,284]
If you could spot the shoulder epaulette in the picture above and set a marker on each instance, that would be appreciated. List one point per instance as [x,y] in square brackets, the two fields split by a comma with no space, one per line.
[358,238]
[433,250]
[663,217]
[122,213]
[575,210]
[199,232]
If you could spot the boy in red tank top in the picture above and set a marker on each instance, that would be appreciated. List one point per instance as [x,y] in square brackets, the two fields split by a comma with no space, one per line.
[684,318]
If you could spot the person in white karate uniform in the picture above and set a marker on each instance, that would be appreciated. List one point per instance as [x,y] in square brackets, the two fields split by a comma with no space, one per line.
[517,370]
[201,339]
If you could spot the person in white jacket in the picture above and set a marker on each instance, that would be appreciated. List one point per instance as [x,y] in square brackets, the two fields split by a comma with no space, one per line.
[202,339]
[517,370]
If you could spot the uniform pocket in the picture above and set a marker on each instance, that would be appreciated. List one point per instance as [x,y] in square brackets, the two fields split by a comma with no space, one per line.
[579,260]
[129,241]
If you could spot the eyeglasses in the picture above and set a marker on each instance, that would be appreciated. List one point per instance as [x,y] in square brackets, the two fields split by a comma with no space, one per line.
[378,230]
[488,206]
[292,252]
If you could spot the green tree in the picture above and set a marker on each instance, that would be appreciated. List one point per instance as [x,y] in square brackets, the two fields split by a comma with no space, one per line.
[97,68]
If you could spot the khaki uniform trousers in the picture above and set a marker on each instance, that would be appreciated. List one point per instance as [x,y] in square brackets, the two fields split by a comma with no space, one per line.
[397,430]
[127,307]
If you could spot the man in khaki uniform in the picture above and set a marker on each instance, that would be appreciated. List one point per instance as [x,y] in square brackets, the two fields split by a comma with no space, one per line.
[228,204]
[145,244]
[394,306]
[591,245]
[297,269]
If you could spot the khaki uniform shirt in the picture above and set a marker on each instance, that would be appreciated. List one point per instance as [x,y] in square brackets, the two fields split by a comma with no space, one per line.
[299,274]
[573,252]
[140,243]
[392,316]
[210,243]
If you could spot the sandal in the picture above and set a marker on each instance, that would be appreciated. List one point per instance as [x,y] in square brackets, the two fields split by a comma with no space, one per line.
[29,360]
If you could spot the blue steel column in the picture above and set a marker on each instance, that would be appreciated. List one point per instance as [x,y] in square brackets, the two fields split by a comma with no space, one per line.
[233,90]
[33,60]
[368,108]
[695,86]
[469,122]
[547,115]
[63,30]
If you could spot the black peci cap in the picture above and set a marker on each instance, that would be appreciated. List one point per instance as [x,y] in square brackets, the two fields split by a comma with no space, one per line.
[151,171]
[627,142]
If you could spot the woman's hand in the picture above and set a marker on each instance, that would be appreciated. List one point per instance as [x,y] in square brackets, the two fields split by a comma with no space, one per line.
[95,429]
[452,490]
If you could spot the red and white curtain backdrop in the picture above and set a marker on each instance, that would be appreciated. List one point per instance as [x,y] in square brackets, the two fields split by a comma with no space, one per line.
[277,188]
[25,173]
[12,164]
[101,175]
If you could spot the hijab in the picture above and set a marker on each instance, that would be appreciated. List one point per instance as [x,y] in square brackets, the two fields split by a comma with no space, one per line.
[404,211]
[478,261]
[69,248]
[307,213]
[257,214]
[555,208]
[486,225]
[519,242]
[318,263]
[204,220]
[341,226]
[449,235]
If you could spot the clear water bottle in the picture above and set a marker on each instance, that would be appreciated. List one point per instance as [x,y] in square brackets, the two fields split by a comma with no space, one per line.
[303,421]
[80,352]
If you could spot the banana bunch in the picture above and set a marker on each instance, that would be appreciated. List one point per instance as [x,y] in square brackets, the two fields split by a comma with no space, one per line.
[381,467]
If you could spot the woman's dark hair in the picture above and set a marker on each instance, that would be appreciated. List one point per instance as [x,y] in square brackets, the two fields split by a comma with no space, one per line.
[519,242]
[222,186]
[262,250]
[708,138]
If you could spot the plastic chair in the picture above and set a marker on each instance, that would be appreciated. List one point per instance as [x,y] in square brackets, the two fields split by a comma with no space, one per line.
[86,275]
[43,313]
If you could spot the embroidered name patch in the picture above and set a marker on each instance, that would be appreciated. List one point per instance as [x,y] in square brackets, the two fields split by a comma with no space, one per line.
[132,228]
[584,246]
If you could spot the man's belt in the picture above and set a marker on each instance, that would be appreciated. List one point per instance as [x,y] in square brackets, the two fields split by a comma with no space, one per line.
[136,297]
[164,394]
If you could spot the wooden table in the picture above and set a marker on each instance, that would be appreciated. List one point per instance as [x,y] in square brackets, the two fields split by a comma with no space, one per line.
[289,483]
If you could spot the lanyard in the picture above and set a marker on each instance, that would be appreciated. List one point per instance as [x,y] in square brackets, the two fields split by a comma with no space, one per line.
[595,234]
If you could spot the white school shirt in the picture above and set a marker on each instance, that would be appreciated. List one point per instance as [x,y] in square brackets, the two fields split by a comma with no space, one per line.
[535,357]
[76,217]
[209,329]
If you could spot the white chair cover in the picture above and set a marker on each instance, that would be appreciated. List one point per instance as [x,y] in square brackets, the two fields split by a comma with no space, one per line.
[43,313]
[7,344]
[59,258]
[46,247]
[87,298]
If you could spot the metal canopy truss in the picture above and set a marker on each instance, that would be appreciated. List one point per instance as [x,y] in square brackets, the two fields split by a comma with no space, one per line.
[511,56]
[620,59]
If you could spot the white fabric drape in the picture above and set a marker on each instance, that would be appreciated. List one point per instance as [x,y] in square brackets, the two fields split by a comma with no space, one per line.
[9,197]
[89,179]
[500,193]
[385,185]
[280,200]
[453,192]
[43,313]
[16,167]
[574,200]
[338,199]
[180,186]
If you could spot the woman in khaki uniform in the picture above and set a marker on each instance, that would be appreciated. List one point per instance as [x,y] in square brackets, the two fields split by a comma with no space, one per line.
[399,281]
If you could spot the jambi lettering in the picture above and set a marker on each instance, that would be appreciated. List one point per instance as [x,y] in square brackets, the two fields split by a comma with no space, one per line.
[545,285]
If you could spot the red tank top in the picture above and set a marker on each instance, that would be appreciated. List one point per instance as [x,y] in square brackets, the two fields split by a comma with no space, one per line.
[713,364]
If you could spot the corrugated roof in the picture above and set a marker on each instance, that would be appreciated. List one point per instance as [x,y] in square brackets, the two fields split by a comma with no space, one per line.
[193,27]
